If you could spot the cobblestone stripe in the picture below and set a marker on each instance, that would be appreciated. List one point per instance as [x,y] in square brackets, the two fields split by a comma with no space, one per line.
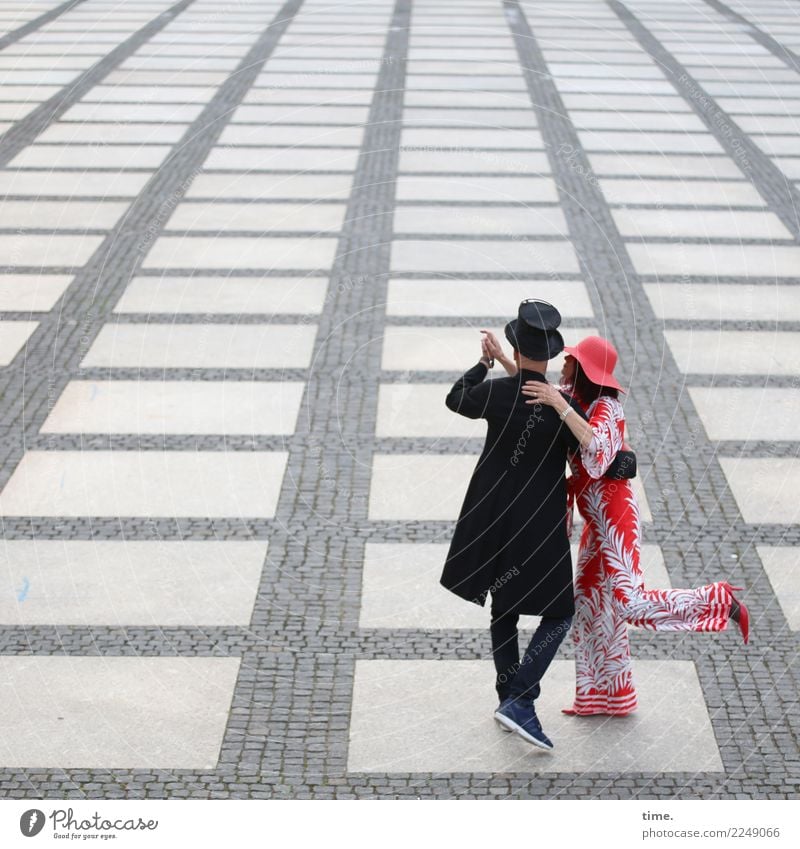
[763,38]
[781,195]
[37,376]
[313,577]
[685,484]
[45,18]
[24,131]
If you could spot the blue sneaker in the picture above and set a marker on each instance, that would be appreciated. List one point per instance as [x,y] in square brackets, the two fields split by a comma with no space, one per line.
[520,716]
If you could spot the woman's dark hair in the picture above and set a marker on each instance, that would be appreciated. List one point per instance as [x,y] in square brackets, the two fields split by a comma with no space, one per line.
[585,391]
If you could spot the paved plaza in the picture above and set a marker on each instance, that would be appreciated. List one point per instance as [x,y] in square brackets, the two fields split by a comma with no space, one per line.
[247,247]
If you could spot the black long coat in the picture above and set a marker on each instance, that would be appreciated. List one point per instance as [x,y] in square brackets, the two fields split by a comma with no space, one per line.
[511,536]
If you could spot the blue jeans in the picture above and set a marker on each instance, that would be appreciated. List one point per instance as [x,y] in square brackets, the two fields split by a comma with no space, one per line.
[519,677]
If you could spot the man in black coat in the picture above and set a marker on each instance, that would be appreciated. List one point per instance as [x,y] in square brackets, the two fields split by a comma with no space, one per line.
[511,537]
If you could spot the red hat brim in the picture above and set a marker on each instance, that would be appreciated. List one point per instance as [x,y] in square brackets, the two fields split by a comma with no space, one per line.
[598,376]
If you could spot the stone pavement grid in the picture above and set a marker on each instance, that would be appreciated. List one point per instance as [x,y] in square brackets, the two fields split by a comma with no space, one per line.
[293,192]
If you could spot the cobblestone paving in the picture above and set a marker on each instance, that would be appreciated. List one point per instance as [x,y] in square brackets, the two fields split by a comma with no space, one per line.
[247,247]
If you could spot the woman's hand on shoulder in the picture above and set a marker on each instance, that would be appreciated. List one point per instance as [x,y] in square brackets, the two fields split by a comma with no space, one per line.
[543,393]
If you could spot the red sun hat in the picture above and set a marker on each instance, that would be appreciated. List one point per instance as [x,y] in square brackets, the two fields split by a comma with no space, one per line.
[597,357]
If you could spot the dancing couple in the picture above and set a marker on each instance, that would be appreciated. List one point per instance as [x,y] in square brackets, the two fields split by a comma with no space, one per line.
[516,520]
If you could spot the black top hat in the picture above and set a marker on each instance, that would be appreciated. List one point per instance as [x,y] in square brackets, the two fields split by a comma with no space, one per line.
[533,332]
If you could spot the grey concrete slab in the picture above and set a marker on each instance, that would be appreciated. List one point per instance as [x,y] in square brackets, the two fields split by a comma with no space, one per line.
[115,712]
[714,260]
[221,295]
[696,193]
[89,215]
[670,732]
[70,184]
[464,298]
[465,220]
[171,406]
[31,292]
[13,336]
[735,351]
[249,346]
[480,255]
[145,483]
[23,249]
[232,252]
[724,302]
[663,165]
[764,488]
[269,186]
[700,224]
[781,565]
[748,414]
[476,188]
[110,583]
[257,217]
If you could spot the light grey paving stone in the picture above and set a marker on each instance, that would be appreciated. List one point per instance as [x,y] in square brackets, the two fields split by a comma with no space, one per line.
[462,220]
[293,136]
[752,106]
[400,588]
[170,406]
[178,94]
[700,224]
[599,140]
[128,583]
[417,487]
[169,80]
[724,302]
[474,161]
[735,351]
[112,133]
[777,145]
[247,346]
[310,95]
[90,215]
[672,726]
[305,254]
[505,65]
[169,113]
[25,249]
[471,137]
[781,566]
[22,77]
[115,712]
[229,295]
[679,192]
[454,82]
[300,114]
[322,81]
[90,156]
[465,298]
[145,483]
[408,348]
[15,111]
[614,86]
[269,186]
[282,158]
[591,70]
[13,336]
[70,184]
[258,217]
[473,118]
[790,165]
[714,260]
[477,188]
[477,255]
[764,488]
[467,99]
[663,165]
[747,413]
[613,102]
[31,292]
[418,410]
[621,120]
[769,123]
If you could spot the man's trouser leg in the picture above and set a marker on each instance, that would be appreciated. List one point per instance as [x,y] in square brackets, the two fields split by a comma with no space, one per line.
[505,650]
[538,656]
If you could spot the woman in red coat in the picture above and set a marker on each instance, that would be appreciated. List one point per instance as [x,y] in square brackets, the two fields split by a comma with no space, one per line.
[609,589]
